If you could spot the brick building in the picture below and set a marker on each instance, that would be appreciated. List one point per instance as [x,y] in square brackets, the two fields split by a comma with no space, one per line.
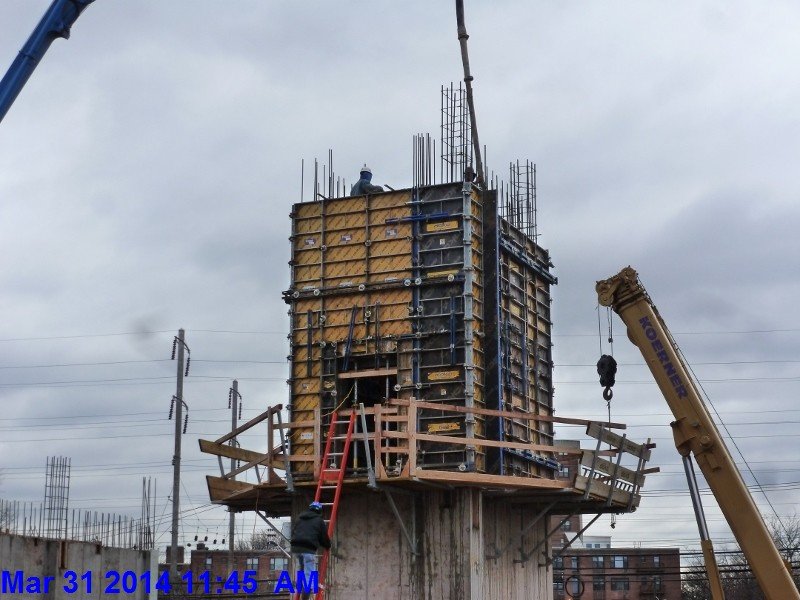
[267,564]
[618,574]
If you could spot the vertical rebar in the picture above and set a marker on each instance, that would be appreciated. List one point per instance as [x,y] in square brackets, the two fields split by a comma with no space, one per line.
[316,181]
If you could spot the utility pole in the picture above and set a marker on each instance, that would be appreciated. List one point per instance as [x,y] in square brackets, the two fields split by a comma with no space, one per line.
[233,404]
[180,428]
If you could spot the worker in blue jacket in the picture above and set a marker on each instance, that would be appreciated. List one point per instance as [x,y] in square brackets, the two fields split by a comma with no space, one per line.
[308,534]
[363,185]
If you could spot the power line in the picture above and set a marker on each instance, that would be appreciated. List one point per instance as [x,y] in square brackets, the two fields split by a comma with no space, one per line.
[197,410]
[720,380]
[138,333]
[127,381]
[727,362]
[151,360]
[720,332]
[79,336]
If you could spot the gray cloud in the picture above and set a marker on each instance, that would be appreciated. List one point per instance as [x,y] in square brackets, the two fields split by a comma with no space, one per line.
[148,168]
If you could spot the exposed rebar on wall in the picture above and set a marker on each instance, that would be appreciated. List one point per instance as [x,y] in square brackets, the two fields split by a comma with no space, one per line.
[325,185]
[56,497]
[423,162]
[113,530]
[455,144]
[517,198]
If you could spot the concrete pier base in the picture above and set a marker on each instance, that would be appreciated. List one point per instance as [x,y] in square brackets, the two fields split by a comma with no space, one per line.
[456,534]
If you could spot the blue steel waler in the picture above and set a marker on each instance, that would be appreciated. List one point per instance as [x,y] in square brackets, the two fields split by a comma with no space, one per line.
[55,23]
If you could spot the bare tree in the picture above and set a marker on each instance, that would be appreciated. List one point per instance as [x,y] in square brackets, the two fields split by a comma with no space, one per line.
[738,581]
[261,540]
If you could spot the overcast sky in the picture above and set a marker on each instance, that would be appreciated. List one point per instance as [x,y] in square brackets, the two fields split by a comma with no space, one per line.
[148,168]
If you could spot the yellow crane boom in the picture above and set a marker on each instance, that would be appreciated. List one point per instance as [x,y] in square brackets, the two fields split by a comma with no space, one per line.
[695,432]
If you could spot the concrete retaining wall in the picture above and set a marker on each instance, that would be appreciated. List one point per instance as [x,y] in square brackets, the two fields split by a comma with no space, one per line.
[40,558]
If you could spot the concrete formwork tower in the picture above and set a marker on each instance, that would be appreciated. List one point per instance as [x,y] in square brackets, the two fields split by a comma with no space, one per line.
[429,311]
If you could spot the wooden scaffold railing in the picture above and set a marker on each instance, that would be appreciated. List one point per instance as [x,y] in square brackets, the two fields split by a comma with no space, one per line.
[391,442]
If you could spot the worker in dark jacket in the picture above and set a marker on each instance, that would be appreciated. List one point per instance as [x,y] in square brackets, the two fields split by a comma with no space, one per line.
[308,534]
[363,185]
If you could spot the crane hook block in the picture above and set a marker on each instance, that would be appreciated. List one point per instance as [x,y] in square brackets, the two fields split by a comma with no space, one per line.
[607,369]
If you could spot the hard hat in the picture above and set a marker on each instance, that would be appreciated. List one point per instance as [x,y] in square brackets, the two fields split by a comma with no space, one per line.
[315,506]
[365,169]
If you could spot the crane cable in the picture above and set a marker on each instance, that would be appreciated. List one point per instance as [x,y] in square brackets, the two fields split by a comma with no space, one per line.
[606,366]
[680,353]
[607,369]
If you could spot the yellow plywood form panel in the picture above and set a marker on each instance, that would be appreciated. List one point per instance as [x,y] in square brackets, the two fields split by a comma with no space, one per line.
[391,200]
[300,338]
[304,402]
[344,270]
[353,204]
[303,305]
[345,236]
[391,240]
[307,209]
[396,328]
[341,222]
[341,302]
[307,279]
[300,369]
[388,216]
[345,252]
[306,385]
[304,228]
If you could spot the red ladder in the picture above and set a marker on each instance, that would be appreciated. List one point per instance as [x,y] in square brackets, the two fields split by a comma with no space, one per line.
[330,482]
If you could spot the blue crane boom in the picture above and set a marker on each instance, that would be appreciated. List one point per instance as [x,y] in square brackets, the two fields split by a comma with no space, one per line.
[55,23]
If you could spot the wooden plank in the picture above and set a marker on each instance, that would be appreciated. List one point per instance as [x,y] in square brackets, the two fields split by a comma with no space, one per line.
[396,419]
[446,439]
[220,489]
[248,465]
[369,373]
[491,480]
[302,458]
[378,443]
[279,458]
[370,410]
[254,421]
[502,413]
[411,464]
[597,432]
[229,451]
[317,441]
[600,491]
[270,444]
[606,466]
